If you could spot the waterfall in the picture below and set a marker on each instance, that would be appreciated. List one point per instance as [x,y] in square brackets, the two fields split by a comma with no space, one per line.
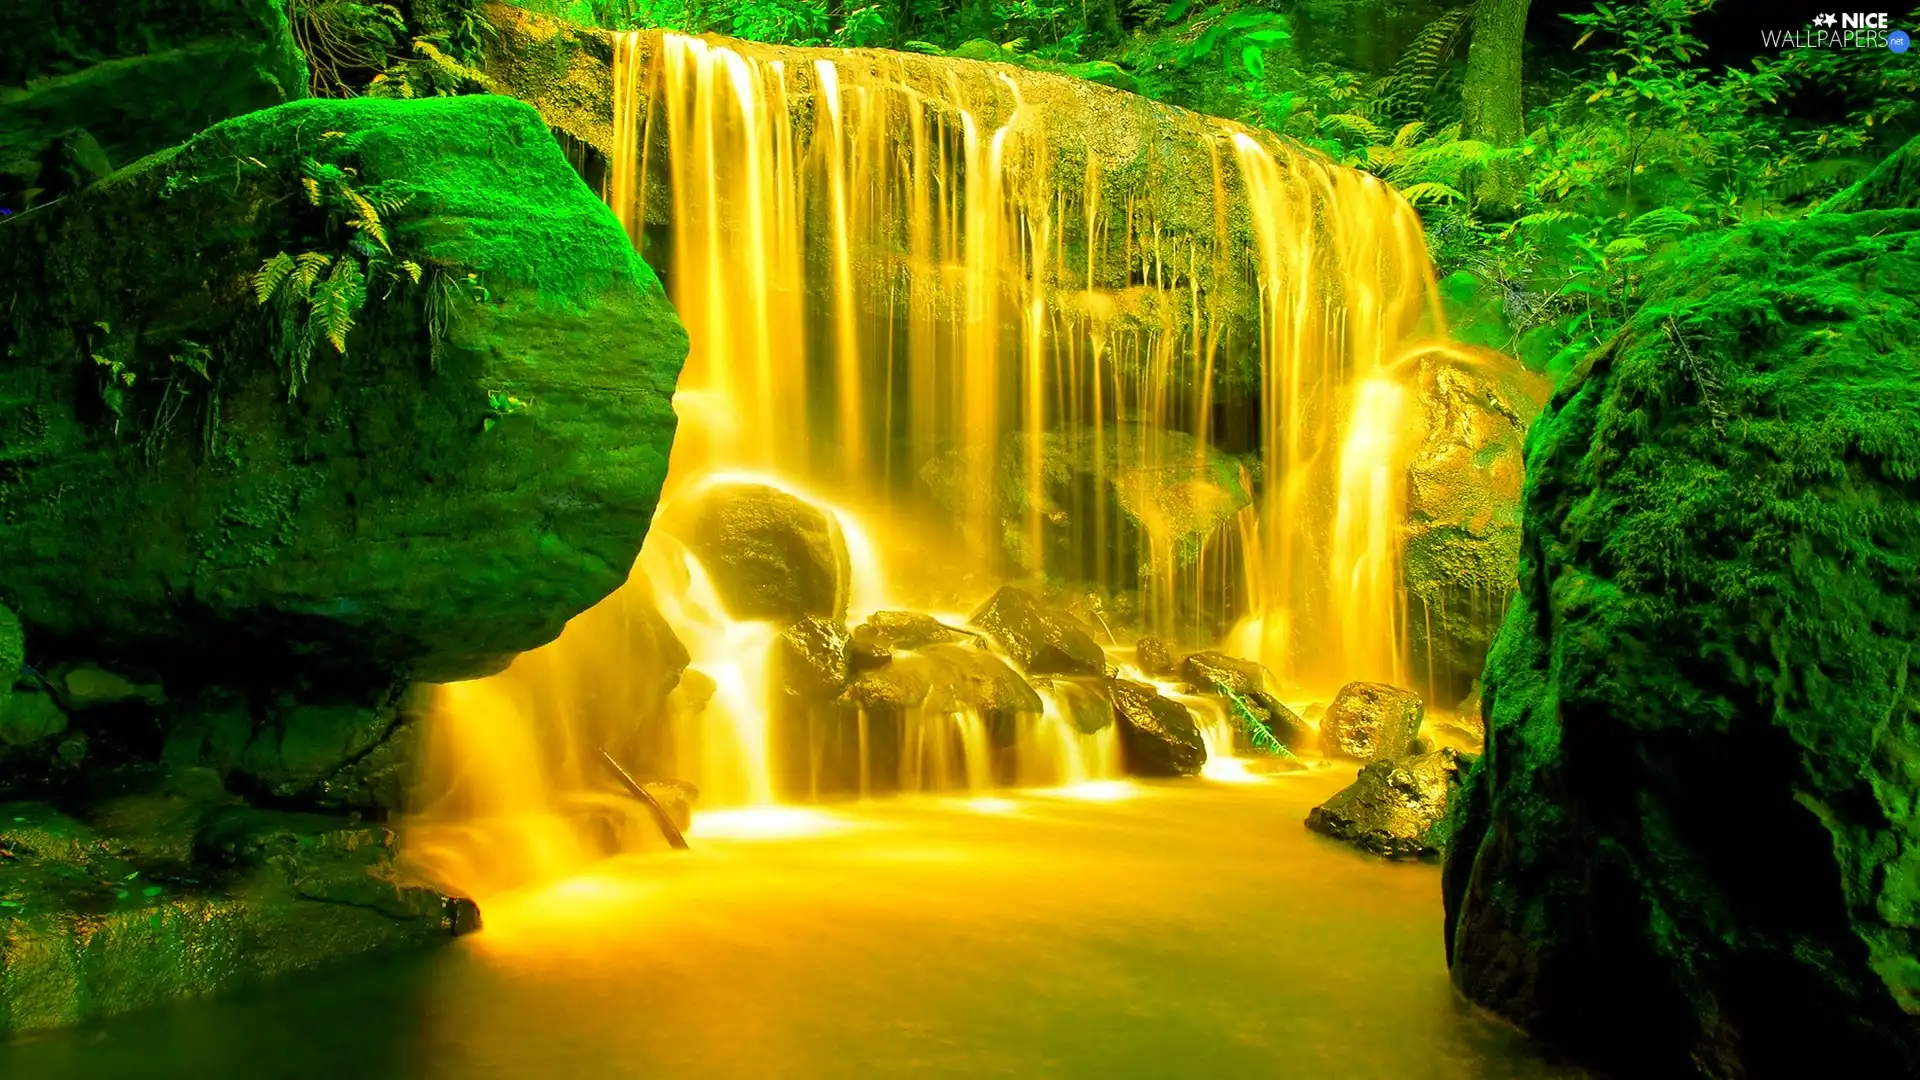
[1008,326]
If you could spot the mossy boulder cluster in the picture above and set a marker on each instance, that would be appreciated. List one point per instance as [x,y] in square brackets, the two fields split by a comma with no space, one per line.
[1692,846]
[240,513]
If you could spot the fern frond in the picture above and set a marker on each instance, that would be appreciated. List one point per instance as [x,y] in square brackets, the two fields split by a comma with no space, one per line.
[367,217]
[1662,223]
[412,270]
[1353,124]
[1408,134]
[1431,191]
[312,188]
[337,301]
[308,266]
[272,273]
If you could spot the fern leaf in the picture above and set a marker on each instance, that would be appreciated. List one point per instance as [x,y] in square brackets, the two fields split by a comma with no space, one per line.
[1431,191]
[337,301]
[1353,124]
[1408,134]
[272,273]
[312,188]
[308,266]
[412,270]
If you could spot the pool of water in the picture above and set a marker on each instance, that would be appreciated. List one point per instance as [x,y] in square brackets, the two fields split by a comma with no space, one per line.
[1187,930]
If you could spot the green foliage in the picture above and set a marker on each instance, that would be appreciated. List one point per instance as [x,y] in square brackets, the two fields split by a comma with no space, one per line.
[376,49]
[318,295]
[1256,729]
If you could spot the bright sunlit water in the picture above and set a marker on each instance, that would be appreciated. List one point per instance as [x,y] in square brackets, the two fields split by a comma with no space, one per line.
[1192,930]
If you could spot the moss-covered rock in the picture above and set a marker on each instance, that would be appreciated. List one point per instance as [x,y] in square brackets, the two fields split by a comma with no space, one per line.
[904,630]
[1703,754]
[175,897]
[13,651]
[87,85]
[167,505]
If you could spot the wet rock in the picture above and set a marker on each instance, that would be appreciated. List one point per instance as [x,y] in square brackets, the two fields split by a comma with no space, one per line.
[905,630]
[89,687]
[1395,808]
[811,659]
[868,655]
[1244,684]
[771,555]
[970,676]
[1086,705]
[1157,734]
[298,748]
[1158,491]
[1463,510]
[1042,642]
[676,799]
[1152,656]
[1371,721]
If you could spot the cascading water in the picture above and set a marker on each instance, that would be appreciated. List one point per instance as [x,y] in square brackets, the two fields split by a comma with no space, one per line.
[929,296]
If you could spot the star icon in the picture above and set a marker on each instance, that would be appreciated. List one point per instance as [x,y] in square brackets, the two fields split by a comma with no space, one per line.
[1824,20]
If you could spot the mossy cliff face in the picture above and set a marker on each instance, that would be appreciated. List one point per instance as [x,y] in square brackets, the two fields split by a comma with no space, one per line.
[1693,845]
[391,520]
[89,85]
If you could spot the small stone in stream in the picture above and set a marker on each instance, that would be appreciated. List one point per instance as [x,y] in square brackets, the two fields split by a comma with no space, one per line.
[676,799]
[811,659]
[1042,642]
[1370,721]
[463,916]
[1152,656]
[868,655]
[1244,684]
[1395,808]
[1157,734]
[904,630]
[90,687]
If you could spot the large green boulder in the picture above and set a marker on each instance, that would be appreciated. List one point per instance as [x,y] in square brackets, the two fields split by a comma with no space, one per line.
[1693,844]
[195,480]
[89,84]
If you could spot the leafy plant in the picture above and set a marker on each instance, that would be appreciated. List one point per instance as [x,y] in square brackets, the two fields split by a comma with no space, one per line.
[319,294]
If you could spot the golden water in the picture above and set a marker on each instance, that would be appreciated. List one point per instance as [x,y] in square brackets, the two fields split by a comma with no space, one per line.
[895,271]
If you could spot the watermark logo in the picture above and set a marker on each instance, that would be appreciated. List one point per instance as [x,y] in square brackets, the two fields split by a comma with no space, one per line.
[1842,30]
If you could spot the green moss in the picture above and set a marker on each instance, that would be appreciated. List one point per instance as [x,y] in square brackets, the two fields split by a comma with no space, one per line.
[122,80]
[376,519]
[1701,771]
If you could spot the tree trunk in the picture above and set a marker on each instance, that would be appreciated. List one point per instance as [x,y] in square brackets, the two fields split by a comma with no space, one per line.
[1490,99]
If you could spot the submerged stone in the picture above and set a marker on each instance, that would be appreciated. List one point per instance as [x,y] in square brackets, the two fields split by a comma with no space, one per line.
[1370,721]
[479,465]
[1157,734]
[1395,808]
[1041,641]
[1703,745]
[676,799]
[771,556]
